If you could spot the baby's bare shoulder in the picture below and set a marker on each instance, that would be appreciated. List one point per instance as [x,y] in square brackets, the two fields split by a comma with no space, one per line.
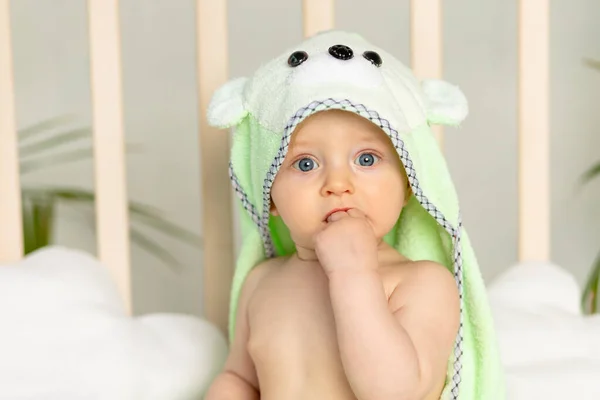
[269,265]
[263,270]
[425,281]
[425,272]
[432,273]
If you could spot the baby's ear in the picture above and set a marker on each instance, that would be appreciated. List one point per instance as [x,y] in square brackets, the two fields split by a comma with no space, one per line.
[226,108]
[446,104]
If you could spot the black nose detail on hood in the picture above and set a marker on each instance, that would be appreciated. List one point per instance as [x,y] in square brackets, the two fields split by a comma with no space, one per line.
[341,52]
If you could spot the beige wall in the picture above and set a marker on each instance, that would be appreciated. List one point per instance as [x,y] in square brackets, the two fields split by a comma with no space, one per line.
[52,77]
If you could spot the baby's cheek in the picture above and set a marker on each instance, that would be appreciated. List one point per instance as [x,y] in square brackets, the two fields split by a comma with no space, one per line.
[385,209]
[294,215]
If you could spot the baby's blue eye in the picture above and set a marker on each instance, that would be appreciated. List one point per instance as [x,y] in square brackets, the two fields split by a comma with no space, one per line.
[367,159]
[305,164]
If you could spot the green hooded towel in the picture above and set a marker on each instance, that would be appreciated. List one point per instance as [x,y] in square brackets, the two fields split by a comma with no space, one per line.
[341,70]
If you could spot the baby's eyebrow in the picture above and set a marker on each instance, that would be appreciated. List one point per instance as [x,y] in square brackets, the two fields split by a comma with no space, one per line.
[299,143]
[372,140]
[298,148]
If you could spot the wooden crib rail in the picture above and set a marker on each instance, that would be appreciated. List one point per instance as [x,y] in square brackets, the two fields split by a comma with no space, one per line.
[317,16]
[11,228]
[217,214]
[534,131]
[426,44]
[109,143]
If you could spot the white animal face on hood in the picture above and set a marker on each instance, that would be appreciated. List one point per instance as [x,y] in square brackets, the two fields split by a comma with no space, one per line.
[331,65]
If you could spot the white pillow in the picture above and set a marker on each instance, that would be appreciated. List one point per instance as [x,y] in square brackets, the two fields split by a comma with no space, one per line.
[64,335]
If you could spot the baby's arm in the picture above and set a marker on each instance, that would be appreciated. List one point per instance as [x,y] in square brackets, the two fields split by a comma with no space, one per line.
[238,380]
[400,349]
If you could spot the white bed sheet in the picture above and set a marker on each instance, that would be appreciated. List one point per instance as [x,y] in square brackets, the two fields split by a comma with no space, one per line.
[550,350]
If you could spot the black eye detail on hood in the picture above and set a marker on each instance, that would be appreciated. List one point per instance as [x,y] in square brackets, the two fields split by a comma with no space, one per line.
[373,57]
[297,58]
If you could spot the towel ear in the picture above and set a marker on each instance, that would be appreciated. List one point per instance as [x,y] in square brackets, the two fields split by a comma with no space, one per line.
[226,108]
[446,103]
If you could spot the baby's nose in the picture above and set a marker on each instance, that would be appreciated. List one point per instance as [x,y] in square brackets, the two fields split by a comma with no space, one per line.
[341,52]
[338,182]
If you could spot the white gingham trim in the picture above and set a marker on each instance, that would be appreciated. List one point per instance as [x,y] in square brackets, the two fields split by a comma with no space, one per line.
[239,191]
[458,343]
[263,221]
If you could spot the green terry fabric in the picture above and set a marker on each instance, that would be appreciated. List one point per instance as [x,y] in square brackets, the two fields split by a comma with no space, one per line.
[263,111]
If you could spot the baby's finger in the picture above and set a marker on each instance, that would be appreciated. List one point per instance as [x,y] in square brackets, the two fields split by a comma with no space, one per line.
[336,216]
[356,213]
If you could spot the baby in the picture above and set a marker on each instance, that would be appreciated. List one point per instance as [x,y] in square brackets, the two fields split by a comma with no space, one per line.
[346,316]
[355,279]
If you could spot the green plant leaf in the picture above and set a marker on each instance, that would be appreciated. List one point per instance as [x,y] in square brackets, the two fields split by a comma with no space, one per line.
[165,226]
[139,212]
[44,126]
[144,213]
[39,203]
[29,233]
[38,215]
[85,195]
[590,174]
[54,160]
[42,218]
[55,141]
[589,298]
[595,64]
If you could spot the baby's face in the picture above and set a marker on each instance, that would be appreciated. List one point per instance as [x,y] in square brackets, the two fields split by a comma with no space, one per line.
[337,159]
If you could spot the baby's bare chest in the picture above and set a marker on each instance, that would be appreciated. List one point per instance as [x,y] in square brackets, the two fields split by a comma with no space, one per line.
[292,298]
[292,308]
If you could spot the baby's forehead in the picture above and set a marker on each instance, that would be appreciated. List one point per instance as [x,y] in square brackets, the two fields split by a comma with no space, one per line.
[339,124]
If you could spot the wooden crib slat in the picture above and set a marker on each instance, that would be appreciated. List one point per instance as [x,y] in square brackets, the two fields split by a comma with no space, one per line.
[426,44]
[533,131]
[318,15]
[217,214]
[109,156]
[11,228]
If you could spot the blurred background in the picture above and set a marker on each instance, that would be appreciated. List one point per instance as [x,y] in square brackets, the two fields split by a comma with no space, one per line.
[50,43]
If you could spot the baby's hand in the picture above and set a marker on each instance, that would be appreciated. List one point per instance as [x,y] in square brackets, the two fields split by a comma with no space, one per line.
[347,242]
